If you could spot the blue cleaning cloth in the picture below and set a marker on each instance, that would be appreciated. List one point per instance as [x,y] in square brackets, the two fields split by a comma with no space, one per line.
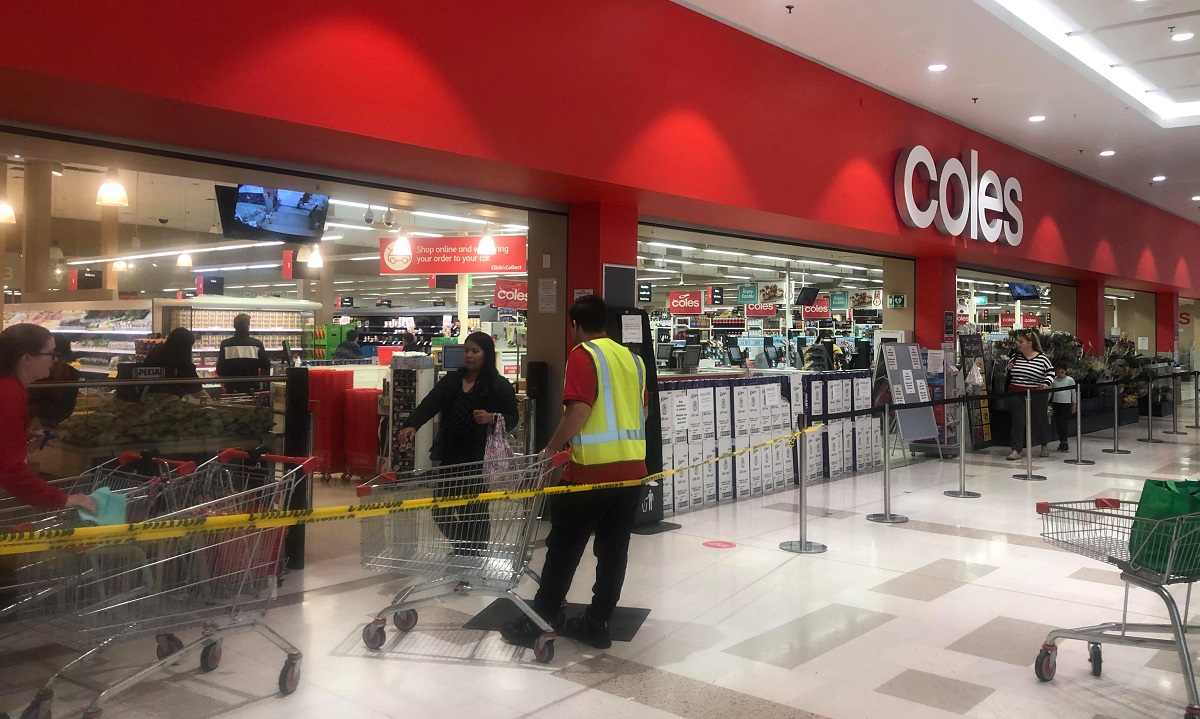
[110,508]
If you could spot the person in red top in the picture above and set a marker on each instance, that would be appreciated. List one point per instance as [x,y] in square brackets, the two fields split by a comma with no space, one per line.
[26,353]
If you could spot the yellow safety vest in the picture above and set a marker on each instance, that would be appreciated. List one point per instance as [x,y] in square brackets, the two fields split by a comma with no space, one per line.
[615,431]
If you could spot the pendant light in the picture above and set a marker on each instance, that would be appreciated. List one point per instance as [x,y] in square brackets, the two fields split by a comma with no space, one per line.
[369,216]
[487,246]
[7,216]
[314,258]
[184,260]
[112,192]
[303,254]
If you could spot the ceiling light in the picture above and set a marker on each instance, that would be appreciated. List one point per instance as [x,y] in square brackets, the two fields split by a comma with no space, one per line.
[452,218]
[1158,178]
[369,216]
[738,277]
[1107,153]
[677,262]
[878,282]
[937,68]
[873,269]
[112,192]
[772,257]
[16,157]
[830,277]
[851,267]
[1182,36]
[515,227]
[725,252]
[175,253]
[816,262]
[710,264]
[302,255]
[487,246]
[670,246]
[120,266]
[329,238]
[7,216]
[402,247]
[184,260]
[425,234]
[655,269]
[1195,198]
[1037,118]
[56,169]
[850,287]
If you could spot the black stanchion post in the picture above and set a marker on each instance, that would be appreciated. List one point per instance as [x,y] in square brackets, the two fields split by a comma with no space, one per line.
[1195,401]
[1176,383]
[802,546]
[1116,448]
[1029,476]
[887,517]
[1149,438]
[963,426]
[1078,431]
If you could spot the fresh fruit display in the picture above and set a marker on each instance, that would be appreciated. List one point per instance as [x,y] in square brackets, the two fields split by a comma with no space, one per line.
[161,417]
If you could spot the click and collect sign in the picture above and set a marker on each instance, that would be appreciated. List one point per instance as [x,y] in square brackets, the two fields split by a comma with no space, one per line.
[450,255]
[686,303]
[511,295]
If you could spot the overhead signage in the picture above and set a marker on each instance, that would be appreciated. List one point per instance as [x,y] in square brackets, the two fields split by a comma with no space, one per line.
[981,299]
[839,300]
[963,318]
[511,295]
[1029,319]
[383,303]
[747,294]
[644,291]
[685,303]
[1008,319]
[819,309]
[343,301]
[960,198]
[450,255]
[756,309]
[716,295]
[897,302]
[867,300]
[769,292]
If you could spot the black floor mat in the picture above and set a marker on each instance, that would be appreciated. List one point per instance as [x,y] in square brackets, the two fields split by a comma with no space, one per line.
[626,621]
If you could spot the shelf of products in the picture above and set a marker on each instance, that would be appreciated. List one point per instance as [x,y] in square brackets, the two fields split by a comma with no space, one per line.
[211,319]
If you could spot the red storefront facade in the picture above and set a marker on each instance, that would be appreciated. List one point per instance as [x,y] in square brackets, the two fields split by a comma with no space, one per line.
[621,110]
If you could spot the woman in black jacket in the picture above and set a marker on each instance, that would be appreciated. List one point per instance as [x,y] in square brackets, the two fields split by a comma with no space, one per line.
[469,401]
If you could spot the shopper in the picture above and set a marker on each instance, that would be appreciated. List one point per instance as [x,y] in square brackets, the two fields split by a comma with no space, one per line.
[53,405]
[604,422]
[1029,369]
[349,349]
[242,356]
[175,358]
[469,401]
[1064,404]
[26,354]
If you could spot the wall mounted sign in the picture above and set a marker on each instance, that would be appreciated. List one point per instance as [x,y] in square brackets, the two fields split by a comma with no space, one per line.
[960,198]
[897,302]
[511,295]
[450,256]
[761,310]
[685,303]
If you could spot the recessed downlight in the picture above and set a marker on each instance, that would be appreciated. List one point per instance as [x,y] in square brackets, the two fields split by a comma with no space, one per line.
[1158,178]
[937,68]
[1037,118]
[1108,153]
[1195,198]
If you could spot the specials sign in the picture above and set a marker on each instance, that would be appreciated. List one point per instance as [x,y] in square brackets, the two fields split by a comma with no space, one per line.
[450,255]
[685,303]
[511,295]
[957,197]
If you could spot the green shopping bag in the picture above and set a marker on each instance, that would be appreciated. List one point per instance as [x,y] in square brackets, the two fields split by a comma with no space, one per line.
[1150,543]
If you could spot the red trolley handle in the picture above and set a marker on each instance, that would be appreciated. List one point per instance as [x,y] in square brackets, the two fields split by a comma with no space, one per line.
[306,463]
[558,460]
[180,466]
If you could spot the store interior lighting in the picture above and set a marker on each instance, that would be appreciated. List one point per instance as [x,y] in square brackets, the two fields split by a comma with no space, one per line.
[7,216]
[452,218]
[112,192]
[487,245]
[176,253]
[183,260]
[314,259]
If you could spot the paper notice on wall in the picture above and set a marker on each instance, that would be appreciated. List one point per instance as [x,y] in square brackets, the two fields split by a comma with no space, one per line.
[910,385]
[548,295]
[915,355]
[923,390]
[934,362]
[631,329]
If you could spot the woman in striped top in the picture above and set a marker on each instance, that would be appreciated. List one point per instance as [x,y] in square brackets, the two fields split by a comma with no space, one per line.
[1028,368]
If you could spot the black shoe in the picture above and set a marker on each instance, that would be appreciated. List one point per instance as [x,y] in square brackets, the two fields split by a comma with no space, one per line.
[584,629]
[521,632]
[1063,448]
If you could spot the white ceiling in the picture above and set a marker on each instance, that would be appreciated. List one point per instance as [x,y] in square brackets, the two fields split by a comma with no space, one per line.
[1015,73]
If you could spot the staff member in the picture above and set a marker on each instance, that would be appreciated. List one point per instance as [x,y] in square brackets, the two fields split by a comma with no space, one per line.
[604,420]
[26,353]
[243,356]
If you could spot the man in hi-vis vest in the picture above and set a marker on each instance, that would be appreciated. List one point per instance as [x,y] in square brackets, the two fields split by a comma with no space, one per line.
[604,421]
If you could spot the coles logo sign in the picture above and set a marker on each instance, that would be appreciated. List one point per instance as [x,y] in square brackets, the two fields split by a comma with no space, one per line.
[450,255]
[685,303]
[511,295]
[962,198]
[758,310]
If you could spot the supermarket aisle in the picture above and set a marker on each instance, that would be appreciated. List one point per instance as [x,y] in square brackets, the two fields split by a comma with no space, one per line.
[941,617]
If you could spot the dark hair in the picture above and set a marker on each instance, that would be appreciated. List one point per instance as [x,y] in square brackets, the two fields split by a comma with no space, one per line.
[406,339]
[590,313]
[488,371]
[352,336]
[20,340]
[1034,338]
[178,346]
[241,323]
[62,348]
[1060,365]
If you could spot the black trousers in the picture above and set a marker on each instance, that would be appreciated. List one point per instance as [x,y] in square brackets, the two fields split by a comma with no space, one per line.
[1064,420]
[468,527]
[609,513]
[1039,424]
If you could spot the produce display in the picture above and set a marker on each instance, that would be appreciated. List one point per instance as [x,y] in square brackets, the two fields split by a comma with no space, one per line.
[160,417]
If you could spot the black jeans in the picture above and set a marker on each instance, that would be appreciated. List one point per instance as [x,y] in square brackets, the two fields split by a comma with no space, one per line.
[609,513]
[468,527]
[1064,418]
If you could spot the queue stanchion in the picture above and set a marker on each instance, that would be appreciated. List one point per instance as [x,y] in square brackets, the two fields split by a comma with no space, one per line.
[1116,448]
[802,546]
[1150,438]
[1176,384]
[1078,431]
[1029,476]
[963,426]
[886,517]
[1195,401]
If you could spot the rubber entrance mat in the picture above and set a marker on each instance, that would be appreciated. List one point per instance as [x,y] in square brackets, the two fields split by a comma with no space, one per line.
[626,621]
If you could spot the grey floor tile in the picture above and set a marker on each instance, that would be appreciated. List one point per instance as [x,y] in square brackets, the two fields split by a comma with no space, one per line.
[986,535]
[1125,495]
[1099,576]
[956,570]
[1004,639]
[1117,475]
[1168,660]
[932,690]
[792,644]
[917,586]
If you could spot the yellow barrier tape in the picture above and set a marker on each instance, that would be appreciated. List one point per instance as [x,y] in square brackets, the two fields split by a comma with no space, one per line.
[43,540]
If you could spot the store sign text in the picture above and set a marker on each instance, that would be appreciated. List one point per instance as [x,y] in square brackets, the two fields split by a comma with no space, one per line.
[685,303]
[511,295]
[819,309]
[961,198]
[450,256]
[761,310]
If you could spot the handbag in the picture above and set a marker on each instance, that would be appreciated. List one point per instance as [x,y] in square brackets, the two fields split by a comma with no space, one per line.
[499,461]
[1167,546]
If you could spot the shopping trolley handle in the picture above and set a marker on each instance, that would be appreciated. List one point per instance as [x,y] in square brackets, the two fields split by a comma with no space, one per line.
[364,489]
[179,465]
[558,460]
[306,463]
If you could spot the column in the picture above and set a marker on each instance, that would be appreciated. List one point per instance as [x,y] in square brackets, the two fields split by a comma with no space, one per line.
[109,224]
[324,294]
[463,300]
[1063,305]
[899,279]
[35,244]
[4,232]
[935,296]
[1166,323]
[547,330]
[599,234]
[1090,315]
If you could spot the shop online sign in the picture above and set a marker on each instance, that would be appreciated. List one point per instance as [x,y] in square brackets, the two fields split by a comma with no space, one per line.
[450,256]
[511,295]
[961,199]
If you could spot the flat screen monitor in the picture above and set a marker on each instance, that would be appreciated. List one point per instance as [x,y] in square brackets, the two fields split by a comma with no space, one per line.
[691,357]
[806,296]
[772,354]
[1022,291]
[735,354]
[453,357]
[664,352]
[253,212]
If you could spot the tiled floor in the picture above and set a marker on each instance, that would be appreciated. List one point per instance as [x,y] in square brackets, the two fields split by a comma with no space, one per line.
[940,617]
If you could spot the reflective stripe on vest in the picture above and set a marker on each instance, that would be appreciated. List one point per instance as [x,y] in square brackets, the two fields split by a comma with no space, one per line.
[606,436]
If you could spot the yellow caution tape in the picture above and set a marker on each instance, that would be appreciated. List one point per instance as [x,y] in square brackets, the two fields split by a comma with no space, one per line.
[46,539]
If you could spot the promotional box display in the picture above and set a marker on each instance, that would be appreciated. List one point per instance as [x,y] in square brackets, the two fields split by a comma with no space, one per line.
[668,482]
[862,391]
[723,402]
[708,430]
[709,472]
[768,463]
[683,489]
[695,418]
[756,465]
[696,474]
[680,412]
[741,467]
[848,445]
[814,459]
[835,446]
[877,439]
[666,414]
[741,411]
[725,470]
[833,397]
[778,468]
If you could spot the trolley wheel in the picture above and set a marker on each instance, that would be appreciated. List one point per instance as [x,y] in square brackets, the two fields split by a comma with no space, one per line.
[289,676]
[405,620]
[374,635]
[1046,665]
[210,658]
[543,650]
[1096,658]
[168,644]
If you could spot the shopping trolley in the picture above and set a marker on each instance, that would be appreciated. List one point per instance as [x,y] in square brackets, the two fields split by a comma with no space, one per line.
[1151,553]
[221,581]
[476,548]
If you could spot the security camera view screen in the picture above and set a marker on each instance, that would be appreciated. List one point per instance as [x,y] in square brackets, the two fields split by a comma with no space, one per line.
[286,212]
